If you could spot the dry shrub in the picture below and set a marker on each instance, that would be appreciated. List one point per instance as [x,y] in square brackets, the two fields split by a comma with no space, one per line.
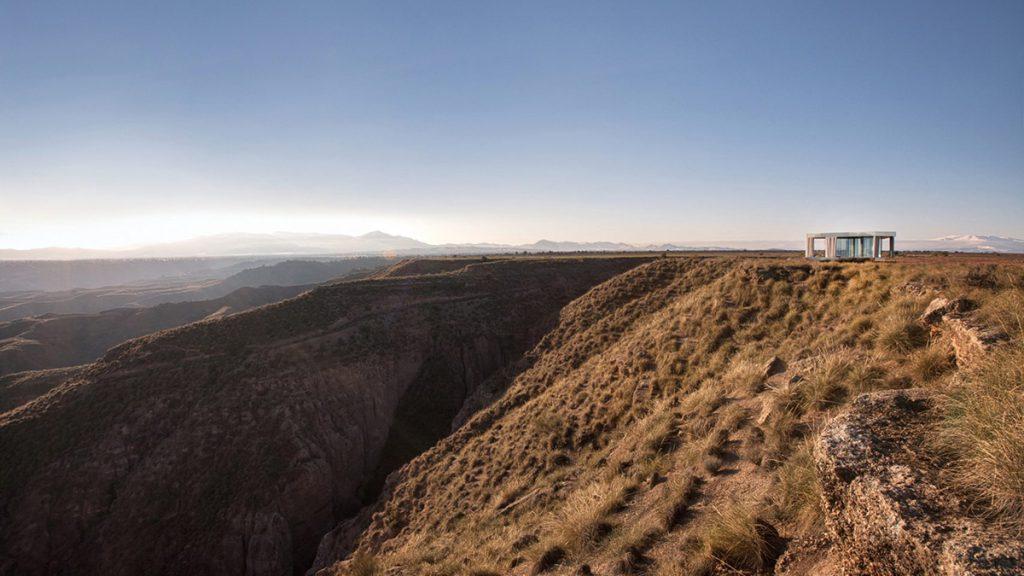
[736,537]
[981,277]
[984,430]
[797,495]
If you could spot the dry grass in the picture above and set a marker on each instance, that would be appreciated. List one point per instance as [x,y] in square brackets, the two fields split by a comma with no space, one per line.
[745,375]
[867,374]
[735,537]
[363,564]
[642,448]
[984,430]
[673,508]
[585,517]
[1006,311]
[930,364]
[797,495]
[781,428]
[901,332]
[655,378]
[510,491]
[828,382]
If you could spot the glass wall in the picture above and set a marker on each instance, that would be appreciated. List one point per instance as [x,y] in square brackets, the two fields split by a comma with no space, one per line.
[855,247]
[844,247]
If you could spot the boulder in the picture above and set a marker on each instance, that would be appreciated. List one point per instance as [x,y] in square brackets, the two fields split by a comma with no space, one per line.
[935,311]
[939,308]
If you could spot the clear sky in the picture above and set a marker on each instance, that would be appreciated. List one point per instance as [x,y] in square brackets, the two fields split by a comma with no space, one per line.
[129,122]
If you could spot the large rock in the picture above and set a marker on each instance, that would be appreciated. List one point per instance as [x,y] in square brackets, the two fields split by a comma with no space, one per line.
[885,504]
[941,307]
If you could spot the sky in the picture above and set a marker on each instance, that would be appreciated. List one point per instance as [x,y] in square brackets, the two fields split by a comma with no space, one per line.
[128,123]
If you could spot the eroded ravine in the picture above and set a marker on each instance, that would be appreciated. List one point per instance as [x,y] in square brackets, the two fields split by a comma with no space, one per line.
[232,446]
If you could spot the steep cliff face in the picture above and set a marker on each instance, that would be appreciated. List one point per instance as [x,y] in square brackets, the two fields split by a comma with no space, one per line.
[231,446]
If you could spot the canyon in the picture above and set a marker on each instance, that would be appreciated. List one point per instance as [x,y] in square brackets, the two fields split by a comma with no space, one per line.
[524,415]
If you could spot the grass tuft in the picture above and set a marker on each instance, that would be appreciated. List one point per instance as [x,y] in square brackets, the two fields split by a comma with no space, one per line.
[929,364]
[363,564]
[736,537]
[828,382]
[902,335]
[984,430]
[797,495]
[584,519]
[746,376]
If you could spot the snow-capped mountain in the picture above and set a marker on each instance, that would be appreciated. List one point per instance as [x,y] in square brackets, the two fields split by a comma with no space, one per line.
[965,243]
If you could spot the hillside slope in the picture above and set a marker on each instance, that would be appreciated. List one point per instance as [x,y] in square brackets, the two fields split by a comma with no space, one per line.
[230,446]
[667,424]
[219,283]
[54,341]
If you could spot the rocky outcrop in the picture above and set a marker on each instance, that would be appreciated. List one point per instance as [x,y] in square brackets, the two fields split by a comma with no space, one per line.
[231,446]
[886,507]
[952,320]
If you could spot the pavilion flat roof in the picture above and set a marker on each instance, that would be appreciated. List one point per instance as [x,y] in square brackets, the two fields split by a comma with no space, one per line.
[849,234]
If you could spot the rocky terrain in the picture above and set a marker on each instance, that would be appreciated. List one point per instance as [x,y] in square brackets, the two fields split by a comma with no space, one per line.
[888,508]
[669,416]
[230,446]
[694,416]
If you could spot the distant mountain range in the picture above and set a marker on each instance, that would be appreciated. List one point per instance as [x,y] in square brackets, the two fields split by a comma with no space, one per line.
[965,243]
[381,243]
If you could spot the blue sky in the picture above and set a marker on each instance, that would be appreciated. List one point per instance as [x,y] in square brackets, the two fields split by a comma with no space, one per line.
[127,123]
